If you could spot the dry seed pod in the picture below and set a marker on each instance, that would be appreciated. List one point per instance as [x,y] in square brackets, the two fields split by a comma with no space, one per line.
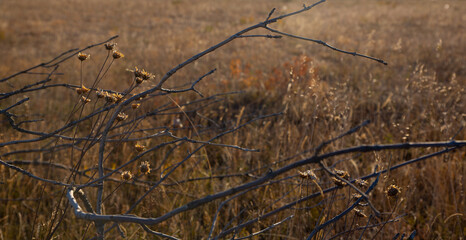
[110,98]
[362,183]
[85,99]
[85,89]
[338,182]
[117,55]
[82,56]
[101,94]
[342,174]
[393,191]
[355,196]
[139,80]
[118,97]
[139,147]
[110,46]
[309,174]
[82,90]
[141,73]
[126,175]
[359,213]
[135,105]
[144,167]
[121,116]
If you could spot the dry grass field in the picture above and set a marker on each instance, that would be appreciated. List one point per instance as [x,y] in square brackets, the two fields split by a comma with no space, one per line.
[418,97]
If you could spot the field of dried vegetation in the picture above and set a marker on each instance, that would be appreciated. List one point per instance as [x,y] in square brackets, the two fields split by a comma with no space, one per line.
[270,102]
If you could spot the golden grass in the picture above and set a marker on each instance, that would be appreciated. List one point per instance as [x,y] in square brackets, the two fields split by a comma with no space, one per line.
[419,96]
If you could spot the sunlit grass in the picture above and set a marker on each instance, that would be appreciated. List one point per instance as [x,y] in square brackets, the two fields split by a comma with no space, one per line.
[419,96]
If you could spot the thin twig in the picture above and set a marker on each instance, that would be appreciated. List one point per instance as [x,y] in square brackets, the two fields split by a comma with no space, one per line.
[18,169]
[267,228]
[343,213]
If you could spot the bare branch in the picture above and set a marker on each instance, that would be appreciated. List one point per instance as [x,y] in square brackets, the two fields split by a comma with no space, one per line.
[18,169]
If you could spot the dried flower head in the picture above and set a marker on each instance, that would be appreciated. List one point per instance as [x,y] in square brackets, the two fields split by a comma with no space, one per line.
[355,196]
[139,147]
[85,99]
[338,182]
[83,56]
[393,190]
[359,213]
[101,94]
[82,90]
[110,46]
[139,80]
[116,54]
[126,175]
[144,167]
[362,183]
[309,174]
[121,116]
[342,174]
[118,97]
[135,105]
[141,73]
[110,98]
